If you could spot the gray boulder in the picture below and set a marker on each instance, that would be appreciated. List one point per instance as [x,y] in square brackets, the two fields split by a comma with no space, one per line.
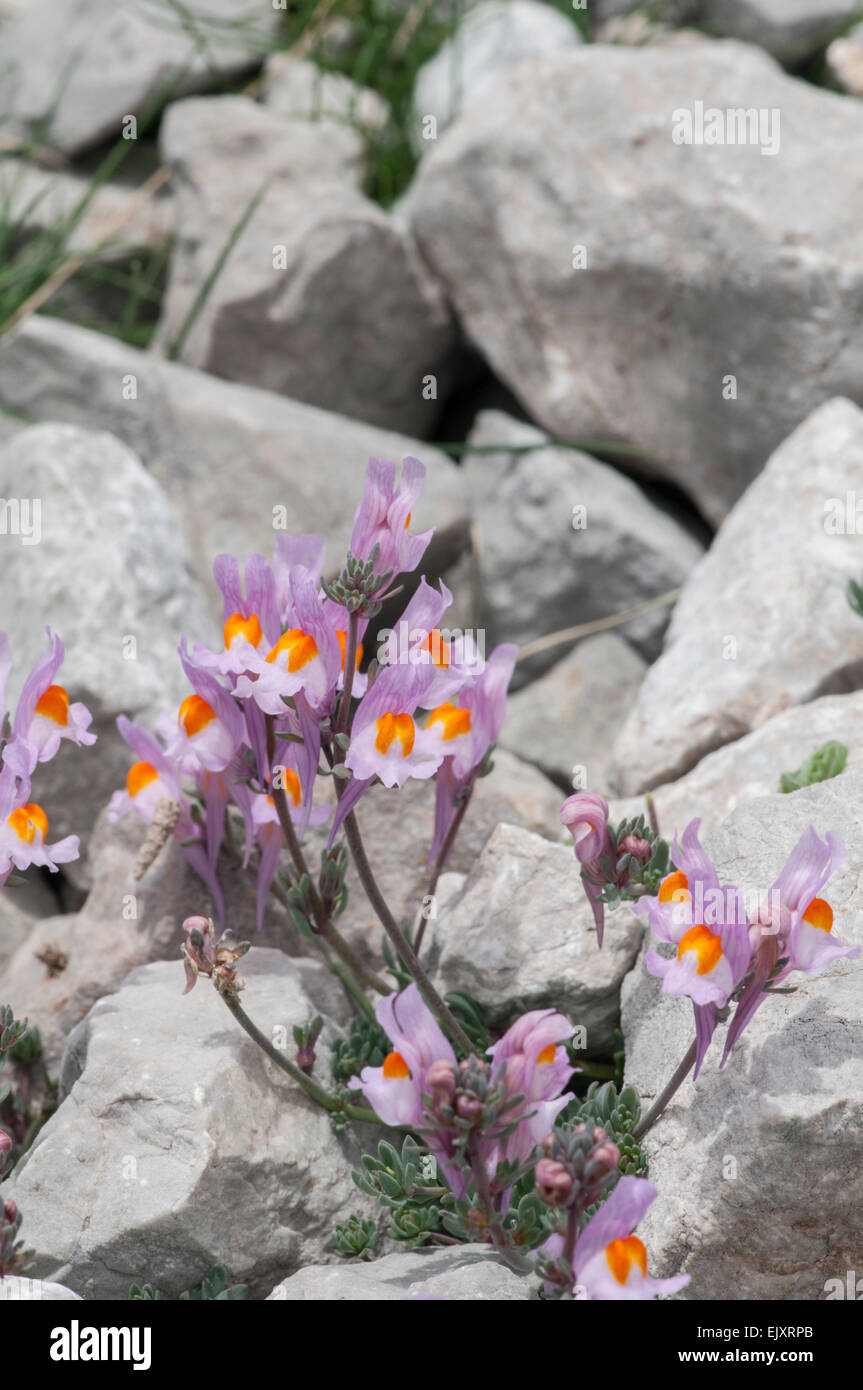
[521,936]
[165,1159]
[753,765]
[758,1165]
[566,722]
[492,39]
[565,538]
[296,90]
[694,300]
[235,462]
[458,1274]
[763,623]
[111,59]
[791,29]
[107,568]
[322,296]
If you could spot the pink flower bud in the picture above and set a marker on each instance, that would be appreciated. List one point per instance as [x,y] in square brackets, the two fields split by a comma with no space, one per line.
[468,1107]
[638,848]
[553,1182]
[440,1082]
[10,1211]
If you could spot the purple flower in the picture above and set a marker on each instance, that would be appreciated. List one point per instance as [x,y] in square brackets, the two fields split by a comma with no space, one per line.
[420,1064]
[461,734]
[706,922]
[585,816]
[795,927]
[44,715]
[306,659]
[23,824]
[536,1067]
[610,1262]
[384,515]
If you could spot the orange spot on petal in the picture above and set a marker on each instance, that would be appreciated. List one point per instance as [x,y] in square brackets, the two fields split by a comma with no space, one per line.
[675,888]
[249,628]
[301,648]
[195,714]
[140,775]
[819,914]
[548,1054]
[395,1067]
[455,721]
[54,704]
[395,726]
[707,946]
[27,820]
[623,1254]
[440,652]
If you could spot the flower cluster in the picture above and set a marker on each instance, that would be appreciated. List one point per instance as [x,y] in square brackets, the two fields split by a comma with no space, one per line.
[262,711]
[715,944]
[43,718]
[601,1259]
[474,1112]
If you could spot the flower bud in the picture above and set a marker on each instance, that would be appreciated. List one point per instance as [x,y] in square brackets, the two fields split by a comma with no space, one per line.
[553,1182]
[602,1161]
[10,1211]
[440,1082]
[5,1146]
[468,1107]
[637,847]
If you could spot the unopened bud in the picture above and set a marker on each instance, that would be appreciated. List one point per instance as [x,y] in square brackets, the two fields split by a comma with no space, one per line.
[637,847]
[552,1181]
[468,1107]
[440,1082]
[10,1211]
[5,1146]
[602,1161]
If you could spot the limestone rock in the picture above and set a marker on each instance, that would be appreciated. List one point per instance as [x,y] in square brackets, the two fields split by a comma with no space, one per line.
[167,1157]
[763,623]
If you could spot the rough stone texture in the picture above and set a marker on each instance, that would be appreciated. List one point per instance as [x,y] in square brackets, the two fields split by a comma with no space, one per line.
[788,1107]
[39,199]
[571,716]
[397,825]
[296,90]
[104,940]
[702,261]
[21,904]
[179,1145]
[18,1288]
[763,622]
[521,936]
[752,766]
[791,29]
[539,572]
[491,40]
[114,58]
[227,455]
[466,1273]
[322,296]
[845,61]
[110,568]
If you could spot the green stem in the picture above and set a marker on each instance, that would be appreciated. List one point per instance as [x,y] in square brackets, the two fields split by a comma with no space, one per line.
[483,1192]
[327,930]
[311,1088]
[446,1020]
